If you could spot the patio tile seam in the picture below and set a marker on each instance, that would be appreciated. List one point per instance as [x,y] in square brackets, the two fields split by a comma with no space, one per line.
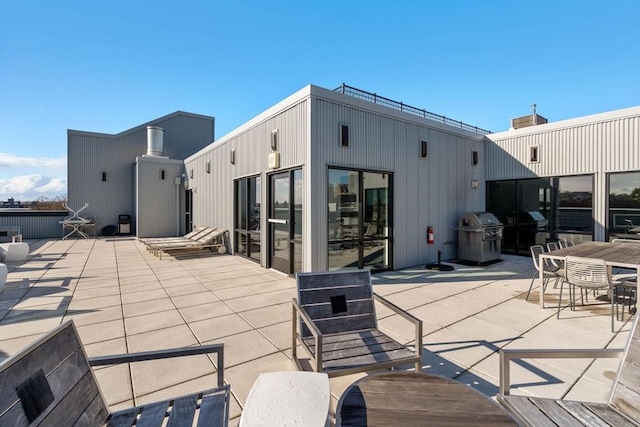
[114,250]
[24,296]
[33,282]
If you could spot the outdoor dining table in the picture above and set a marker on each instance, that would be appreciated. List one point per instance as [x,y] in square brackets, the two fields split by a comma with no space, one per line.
[417,399]
[625,255]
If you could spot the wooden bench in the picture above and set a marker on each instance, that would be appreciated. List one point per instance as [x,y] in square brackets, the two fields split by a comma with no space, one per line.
[334,319]
[50,383]
[623,408]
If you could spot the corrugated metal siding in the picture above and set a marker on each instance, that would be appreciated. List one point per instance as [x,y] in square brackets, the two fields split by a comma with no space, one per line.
[160,208]
[591,146]
[35,226]
[609,146]
[213,193]
[434,191]
[89,154]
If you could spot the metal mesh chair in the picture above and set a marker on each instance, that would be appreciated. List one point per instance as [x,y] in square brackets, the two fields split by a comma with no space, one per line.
[549,270]
[588,274]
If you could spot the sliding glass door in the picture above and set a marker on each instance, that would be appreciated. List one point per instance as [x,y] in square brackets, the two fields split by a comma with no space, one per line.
[285,221]
[247,217]
[359,219]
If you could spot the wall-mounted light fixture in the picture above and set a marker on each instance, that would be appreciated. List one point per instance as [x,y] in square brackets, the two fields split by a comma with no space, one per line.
[208,166]
[344,135]
[474,158]
[232,157]
[274,139]
[533,154]
[423,149]
[163,174]
[191,173]
[104,176]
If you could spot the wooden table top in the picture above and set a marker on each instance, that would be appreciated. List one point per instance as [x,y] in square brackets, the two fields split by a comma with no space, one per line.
[625,255]
[415,399]
[615,254]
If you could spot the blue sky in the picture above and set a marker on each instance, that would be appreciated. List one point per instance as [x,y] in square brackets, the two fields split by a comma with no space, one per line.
[107,66]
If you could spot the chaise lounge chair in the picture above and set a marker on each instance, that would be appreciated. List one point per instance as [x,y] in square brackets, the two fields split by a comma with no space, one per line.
[214,240]
[193,234]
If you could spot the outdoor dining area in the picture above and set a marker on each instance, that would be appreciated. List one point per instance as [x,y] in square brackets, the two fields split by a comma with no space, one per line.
[214,339]
[590,267]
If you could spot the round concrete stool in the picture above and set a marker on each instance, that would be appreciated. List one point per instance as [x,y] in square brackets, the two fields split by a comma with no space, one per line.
[3,276]
[288,399]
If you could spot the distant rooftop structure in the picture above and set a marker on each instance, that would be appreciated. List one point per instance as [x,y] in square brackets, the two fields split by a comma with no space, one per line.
[400,106]
[12,203]
[533,119]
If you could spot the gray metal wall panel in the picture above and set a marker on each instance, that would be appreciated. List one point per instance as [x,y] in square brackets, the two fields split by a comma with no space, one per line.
[595,145]
[213,192]
[435,191]
[34,226]
[611,146]
[90,153]
[160,203]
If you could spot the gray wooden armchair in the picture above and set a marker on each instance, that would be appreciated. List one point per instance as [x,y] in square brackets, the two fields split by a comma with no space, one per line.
[50,383]
[334,319]
[623,408]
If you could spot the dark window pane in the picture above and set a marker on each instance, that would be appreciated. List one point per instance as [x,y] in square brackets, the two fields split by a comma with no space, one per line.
[624,205]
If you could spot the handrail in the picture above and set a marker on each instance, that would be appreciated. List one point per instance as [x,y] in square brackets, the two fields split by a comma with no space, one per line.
[507,355]
[377,99]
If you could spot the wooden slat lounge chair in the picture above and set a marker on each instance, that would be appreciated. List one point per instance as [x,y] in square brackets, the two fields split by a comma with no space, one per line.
[190,235]
[623,408]
[214,240]
[50,383]
[334,319]
[181,241]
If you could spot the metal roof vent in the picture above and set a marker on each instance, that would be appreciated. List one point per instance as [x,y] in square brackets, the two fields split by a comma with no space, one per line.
[155,141]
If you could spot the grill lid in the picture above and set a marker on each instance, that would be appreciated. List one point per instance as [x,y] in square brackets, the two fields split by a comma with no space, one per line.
[479,219]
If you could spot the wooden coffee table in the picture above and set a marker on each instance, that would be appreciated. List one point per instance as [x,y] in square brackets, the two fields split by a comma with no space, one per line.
[415,399]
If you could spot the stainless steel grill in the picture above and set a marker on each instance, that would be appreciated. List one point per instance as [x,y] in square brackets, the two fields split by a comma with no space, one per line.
[479,237]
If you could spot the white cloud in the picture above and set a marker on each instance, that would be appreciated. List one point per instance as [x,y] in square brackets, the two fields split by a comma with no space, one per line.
[8,160]
[30,187]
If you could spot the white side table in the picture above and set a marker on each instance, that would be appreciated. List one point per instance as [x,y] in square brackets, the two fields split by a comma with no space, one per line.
[288,399]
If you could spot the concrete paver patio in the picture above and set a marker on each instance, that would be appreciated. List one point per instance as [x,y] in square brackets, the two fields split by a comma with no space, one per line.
[123,299]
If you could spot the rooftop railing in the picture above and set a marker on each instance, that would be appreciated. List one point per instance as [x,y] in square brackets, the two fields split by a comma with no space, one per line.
[400,106]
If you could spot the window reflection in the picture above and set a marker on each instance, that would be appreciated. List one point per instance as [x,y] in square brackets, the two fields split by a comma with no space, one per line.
[247,217]
[358,219]
[624,205]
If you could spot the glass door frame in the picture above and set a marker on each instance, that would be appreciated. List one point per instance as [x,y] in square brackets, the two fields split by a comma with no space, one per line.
[361,239]
[188,211]
[250,231]
[292,240]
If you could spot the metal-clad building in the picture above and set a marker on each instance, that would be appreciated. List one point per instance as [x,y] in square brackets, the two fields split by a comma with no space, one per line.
[101,168]
[347,185]
[324,180]
[574,172]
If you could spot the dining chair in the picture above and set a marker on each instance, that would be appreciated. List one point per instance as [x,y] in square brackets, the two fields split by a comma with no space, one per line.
[554,246]
[588,274]
[626,291]
[549,271]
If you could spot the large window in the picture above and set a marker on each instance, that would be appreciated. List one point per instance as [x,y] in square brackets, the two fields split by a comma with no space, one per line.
[624,205]
[359,221]
[247,217]
[536,210]
[574,208]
